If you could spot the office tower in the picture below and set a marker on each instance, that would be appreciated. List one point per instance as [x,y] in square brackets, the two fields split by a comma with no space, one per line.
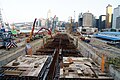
[38,24]
[42,22]
[116,13]
[108,16]
[102,19]
[88,20]
[118,22]
[49,14]
[96,23]
[80,20]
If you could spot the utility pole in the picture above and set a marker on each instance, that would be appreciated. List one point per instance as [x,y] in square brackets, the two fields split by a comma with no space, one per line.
[74,16]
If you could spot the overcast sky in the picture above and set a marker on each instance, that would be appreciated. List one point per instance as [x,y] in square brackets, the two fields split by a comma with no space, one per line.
[27,10]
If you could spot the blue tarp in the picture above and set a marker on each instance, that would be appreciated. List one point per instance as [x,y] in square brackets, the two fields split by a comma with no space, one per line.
[107,37]
[115,33]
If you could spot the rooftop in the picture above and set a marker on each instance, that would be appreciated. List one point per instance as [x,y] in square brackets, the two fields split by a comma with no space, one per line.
[112,36]
[115,33]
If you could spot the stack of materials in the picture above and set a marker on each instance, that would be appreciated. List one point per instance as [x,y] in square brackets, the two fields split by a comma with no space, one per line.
[26,67]
[79,68]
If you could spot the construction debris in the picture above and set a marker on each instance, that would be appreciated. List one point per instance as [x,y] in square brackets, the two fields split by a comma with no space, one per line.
[26,67]
[79,68]
[58,59]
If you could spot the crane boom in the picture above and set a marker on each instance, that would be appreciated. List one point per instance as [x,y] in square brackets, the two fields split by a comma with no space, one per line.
[31,33]
[49,31]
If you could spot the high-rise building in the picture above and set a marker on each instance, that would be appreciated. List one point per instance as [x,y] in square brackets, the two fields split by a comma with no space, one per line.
[43,22]
[108,16]
[49,14]
[39,23]
[118,23]
[88,20]
[102,19]
[116,13]
[80,20]
[97,23]
[94,22]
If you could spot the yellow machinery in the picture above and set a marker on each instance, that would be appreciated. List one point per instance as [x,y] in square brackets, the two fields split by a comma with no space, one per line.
[102,63]
[31,33]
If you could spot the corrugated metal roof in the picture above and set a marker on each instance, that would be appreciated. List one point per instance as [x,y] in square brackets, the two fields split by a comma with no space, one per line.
[113,36]
[118,33]
[108,37]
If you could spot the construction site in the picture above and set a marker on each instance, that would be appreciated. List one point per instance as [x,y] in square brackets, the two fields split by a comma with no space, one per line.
[56,55]
[58,58]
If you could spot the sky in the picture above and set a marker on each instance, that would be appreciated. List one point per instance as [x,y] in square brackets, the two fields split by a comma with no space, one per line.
[27,10]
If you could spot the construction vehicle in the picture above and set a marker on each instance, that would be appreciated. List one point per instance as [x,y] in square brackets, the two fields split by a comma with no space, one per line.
[32,35]
[6,40]
[43,28]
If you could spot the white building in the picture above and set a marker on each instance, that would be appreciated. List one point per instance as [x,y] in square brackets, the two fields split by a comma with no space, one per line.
[88,20]
[43,22]
[116,13]
[49,14]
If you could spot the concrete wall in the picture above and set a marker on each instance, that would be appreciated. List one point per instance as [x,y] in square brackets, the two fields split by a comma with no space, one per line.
[114,72]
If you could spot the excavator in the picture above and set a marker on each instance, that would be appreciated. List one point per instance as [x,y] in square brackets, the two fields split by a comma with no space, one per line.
[49,31]
[32,32]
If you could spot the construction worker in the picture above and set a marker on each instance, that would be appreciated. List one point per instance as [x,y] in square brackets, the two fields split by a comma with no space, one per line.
[28,48]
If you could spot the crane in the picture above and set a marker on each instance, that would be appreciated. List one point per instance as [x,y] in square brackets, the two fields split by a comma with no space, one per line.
[31,33]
